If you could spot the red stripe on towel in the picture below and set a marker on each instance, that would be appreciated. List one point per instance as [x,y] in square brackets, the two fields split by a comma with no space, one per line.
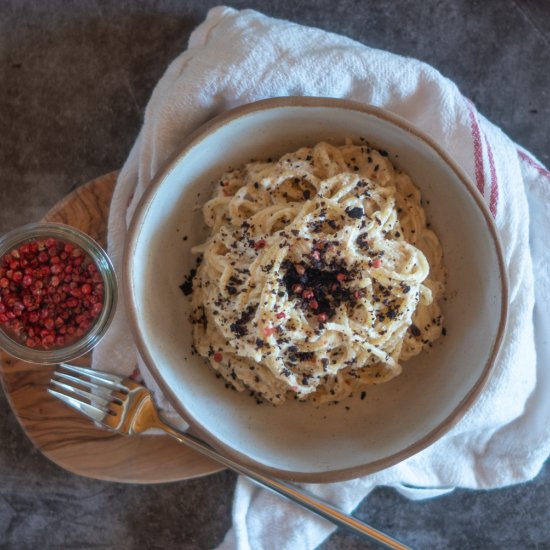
[493,201]
[531,162]
[478,152]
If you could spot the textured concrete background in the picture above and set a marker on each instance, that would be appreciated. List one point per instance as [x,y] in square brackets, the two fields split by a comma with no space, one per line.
[75,78]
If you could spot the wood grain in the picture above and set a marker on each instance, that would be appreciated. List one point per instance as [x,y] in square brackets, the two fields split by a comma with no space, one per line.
[63,435]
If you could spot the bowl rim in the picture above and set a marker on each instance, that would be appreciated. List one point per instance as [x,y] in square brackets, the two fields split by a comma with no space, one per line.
[195,427]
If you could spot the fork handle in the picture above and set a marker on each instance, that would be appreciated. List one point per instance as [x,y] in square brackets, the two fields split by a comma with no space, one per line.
[289,491]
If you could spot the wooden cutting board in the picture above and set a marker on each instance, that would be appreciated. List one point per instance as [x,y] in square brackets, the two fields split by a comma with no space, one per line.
[63,435]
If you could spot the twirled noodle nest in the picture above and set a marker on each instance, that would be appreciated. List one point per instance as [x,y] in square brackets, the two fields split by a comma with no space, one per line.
[319,277]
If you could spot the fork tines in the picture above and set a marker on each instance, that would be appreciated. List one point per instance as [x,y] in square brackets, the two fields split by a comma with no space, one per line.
[86,390]
[108,379]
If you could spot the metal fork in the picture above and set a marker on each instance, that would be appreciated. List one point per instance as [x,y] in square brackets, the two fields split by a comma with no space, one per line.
[127,407]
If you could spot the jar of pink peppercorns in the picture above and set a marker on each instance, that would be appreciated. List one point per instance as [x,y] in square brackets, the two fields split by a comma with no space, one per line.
[58,293]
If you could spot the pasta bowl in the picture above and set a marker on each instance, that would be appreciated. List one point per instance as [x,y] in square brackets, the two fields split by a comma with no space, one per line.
[307,441]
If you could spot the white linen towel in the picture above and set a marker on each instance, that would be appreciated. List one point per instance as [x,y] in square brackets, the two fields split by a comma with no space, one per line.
[235,57]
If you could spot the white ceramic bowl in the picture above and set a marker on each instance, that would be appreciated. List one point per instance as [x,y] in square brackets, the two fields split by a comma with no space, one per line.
[296,440]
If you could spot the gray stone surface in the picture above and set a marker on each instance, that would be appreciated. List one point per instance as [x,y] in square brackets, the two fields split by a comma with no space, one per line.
[75,77]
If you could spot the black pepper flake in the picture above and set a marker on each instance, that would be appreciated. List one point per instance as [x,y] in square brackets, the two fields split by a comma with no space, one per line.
[231,290]
[239,327]
[306,194]
[383,152]
[187,285]
[355,213]
[235,280]
[362,241]
[415,330]
[322,280]
[363,395]
[444,331]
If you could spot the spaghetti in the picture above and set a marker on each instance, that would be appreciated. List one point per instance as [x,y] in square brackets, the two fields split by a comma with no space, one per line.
[319,276]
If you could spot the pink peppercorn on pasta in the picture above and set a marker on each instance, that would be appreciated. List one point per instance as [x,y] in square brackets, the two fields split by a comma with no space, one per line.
[319,276]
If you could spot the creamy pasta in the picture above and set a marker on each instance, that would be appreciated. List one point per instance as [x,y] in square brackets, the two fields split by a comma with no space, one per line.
[319,276]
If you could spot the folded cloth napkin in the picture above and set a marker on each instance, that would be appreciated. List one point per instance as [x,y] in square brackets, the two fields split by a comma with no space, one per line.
[236,57]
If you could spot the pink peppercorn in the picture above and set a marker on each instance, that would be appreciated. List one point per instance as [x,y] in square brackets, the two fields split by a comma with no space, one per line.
[35,306]
[307,294]
[259,244]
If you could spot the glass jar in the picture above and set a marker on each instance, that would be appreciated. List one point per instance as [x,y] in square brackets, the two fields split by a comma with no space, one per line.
[58,293]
